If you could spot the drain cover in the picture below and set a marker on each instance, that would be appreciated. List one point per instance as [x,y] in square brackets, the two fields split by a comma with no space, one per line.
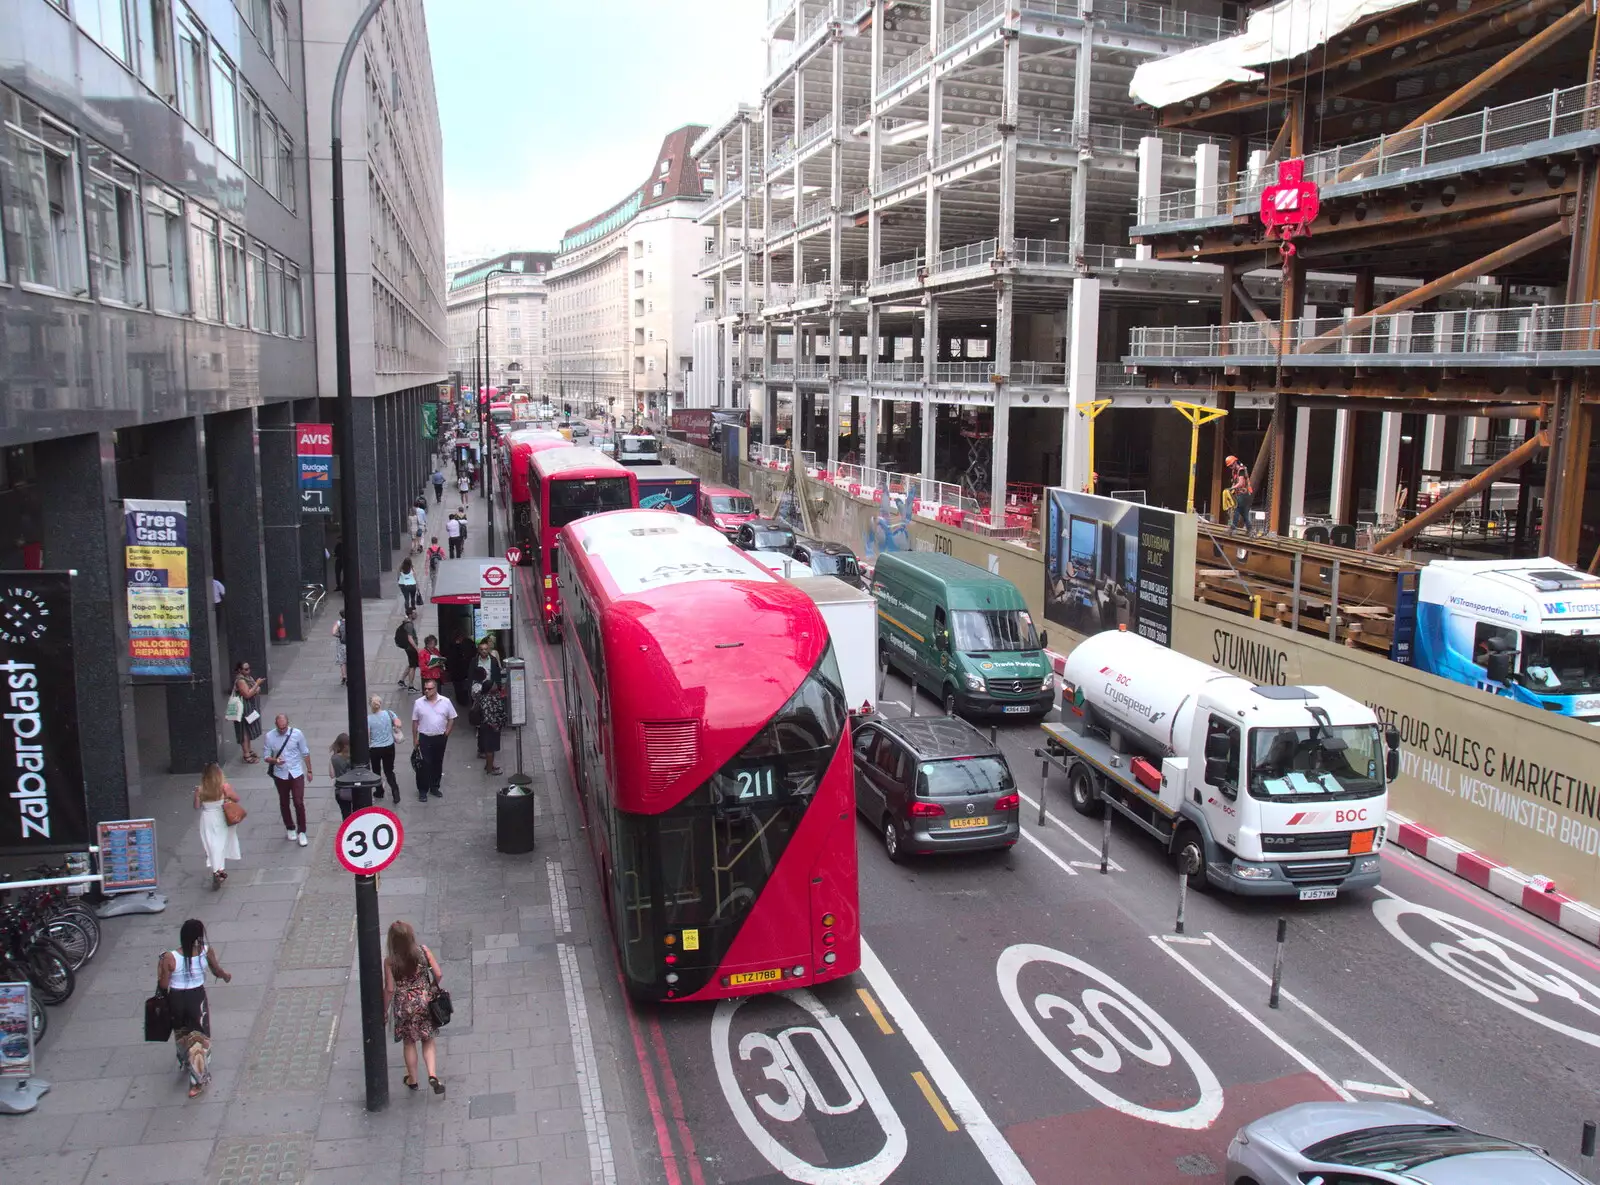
[1196,1164]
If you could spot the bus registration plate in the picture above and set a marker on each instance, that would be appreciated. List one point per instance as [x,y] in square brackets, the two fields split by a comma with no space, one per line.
[742,977]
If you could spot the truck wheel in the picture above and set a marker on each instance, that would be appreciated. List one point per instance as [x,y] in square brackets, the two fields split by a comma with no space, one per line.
[1085,798]
[891,840]
[949,700]
[1189,850]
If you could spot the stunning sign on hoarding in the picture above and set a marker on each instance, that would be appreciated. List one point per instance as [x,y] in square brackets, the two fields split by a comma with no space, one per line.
[157,566]
[42,807]
[1108,564]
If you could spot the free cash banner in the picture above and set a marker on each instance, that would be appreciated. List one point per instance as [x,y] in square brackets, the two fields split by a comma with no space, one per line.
[157,564]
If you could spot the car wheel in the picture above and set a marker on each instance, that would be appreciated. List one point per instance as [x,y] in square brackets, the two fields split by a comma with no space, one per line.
[1085,798]
[1189,851]
[891,841]
[949,701]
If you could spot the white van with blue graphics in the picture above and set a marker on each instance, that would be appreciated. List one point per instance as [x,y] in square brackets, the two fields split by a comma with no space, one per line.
[1525,629]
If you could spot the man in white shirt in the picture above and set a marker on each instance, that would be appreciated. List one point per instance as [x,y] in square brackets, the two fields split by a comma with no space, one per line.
[289,762]
[452,528]
[433,717]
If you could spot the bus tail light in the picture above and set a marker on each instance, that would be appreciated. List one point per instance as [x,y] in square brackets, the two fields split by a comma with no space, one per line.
[831,957]
[926,810]
[828,919]
[1008,802]
[828,939]
[549,582]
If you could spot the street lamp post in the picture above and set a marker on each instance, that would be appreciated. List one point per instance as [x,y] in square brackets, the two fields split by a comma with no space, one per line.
[360,780]
[488,452]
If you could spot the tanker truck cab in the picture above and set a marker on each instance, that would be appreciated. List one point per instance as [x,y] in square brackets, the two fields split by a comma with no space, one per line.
[1259,790]
[963,634]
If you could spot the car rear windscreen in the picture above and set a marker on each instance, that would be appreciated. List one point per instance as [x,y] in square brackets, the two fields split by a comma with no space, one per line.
[963,777]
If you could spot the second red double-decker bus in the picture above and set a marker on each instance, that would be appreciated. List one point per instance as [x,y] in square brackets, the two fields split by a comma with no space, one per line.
[520,449]
[565,484]
[710,748]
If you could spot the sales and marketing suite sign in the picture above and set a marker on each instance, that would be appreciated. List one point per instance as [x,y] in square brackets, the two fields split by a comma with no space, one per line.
[1109,564]
[42,807]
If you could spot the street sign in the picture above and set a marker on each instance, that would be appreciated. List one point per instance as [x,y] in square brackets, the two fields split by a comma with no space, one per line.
[513,556]
[369,840]
[314,452]
[493,576]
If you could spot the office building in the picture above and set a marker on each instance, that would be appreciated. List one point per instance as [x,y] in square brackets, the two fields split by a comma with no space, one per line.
[517,320]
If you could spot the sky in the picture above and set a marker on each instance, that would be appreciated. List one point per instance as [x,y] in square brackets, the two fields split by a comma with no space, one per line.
[553,110]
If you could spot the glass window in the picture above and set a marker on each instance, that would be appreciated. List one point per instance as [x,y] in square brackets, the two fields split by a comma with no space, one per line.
[275,293]
[234,309]
[153,30]
[1314,764]
[207,266]
[994,629]
[192,69]
[166,253]
[1561,664]
[43,222]
[1222,745]
[250,132]
[224,104]
[740,504]
[256,282]
[280,38]
[293,301]
[963,777]
[1400,1148]
[107,22]
[285,169]
[572,499]
[112,201]
[269,157]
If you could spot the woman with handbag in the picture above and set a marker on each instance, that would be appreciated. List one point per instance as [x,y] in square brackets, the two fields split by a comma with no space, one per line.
[411,986]
[181,979]
[488,712]
[220,816]
[383,733]
[247,718]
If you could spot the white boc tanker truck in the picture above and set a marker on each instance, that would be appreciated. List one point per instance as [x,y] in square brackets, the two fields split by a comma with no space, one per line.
[1255,789]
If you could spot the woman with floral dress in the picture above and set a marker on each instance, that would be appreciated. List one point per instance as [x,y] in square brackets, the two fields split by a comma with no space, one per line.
[410,977]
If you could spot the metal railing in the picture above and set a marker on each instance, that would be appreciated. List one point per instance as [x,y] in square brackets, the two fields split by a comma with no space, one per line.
[981,16]
[814,211]
[966,143]
[967,255]
[852,371]
[1049,252]
[778,8]
[889,179]
[781,458]
[778,294]
[781,370]
[1547,331]
[857,202]
[1154,18]
[916,60]
[962,372]
[900,271]
[1512,125]
[897,372]
[1103,256]
[1038,374]
[811,370]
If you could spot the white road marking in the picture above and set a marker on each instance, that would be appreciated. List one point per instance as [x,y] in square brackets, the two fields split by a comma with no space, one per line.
[1400,1084]
[1059,862]
[1217,991]
[1003,1160]
[1387,1092]
[1186,939]
[1093,847]
[895,703]
[558,897]
[602,1166]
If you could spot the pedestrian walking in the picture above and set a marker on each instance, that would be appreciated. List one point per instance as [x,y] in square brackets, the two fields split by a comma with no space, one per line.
[464,484]
[420,528]
[407,580]
[431,659]
[452,530]
[405,637]
[339,652]
[435,558]
[433,718]
[338,766]
[218,835]
[247,724]
[383,731]
[488,705]
[289,759]
[411,979]
[181,976]
[438,485]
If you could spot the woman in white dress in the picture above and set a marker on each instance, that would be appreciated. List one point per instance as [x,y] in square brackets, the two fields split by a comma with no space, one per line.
[220,839]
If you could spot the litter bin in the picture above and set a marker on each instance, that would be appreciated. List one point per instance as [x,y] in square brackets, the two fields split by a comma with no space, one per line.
[513,832]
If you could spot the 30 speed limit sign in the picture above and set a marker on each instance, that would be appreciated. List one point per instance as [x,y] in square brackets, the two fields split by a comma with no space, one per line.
[369,840]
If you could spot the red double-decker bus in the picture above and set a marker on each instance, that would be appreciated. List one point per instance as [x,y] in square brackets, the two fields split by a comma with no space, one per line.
[565,484]
[521,447]
[711,752]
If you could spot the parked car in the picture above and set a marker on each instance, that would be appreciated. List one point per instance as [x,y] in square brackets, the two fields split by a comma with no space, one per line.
[765,534]
[934,784]
[826,559]
[725,508]
[1379,1143]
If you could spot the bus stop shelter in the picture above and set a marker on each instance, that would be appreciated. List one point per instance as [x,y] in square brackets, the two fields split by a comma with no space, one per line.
[456,597]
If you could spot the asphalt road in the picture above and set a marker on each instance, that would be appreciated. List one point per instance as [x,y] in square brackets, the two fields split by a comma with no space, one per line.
[1022,1017]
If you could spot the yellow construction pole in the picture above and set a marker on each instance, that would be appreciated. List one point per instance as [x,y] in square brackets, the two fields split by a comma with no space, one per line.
[1196,414]
[1091,412]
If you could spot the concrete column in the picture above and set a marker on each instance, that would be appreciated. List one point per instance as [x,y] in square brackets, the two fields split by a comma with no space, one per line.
[370,494]
[1207,164]
[1338,491]
[1297,479]
[931,242]
[1433,444]
[81,529]
[930,363]
[1078,220]
[1002,405]
[1388,464]
[1148,198]
[280,517]
[1082,356]
[193,713]
[873,347]
[242,565]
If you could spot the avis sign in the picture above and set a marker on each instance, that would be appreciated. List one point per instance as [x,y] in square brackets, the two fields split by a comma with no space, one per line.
[314,450]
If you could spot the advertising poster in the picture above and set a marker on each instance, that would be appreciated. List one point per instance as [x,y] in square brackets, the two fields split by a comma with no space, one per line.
[16,1032]
[42,807]
[157,565]
[430,421]
[314,450]
[1108,564]
[127,855]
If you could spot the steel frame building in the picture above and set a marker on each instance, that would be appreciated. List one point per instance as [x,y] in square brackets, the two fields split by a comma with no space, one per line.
[1454,144]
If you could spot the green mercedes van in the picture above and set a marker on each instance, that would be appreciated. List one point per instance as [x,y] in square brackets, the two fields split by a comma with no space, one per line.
[962,633]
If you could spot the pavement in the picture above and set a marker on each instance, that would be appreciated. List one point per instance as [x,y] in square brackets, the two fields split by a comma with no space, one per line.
[534,1093]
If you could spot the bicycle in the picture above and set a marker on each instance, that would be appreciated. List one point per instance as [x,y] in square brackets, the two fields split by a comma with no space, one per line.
[27,953]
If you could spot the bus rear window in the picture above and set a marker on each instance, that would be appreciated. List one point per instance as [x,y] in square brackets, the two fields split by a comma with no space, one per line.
[572,499]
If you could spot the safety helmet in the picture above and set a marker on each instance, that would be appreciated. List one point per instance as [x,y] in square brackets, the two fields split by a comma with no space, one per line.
[1230,459]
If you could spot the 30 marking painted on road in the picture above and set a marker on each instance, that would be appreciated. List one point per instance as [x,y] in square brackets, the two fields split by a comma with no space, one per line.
[934,1100]
[875,1012]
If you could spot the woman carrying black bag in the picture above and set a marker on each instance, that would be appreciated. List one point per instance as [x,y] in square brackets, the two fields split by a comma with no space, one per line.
[181,978]
[411,987]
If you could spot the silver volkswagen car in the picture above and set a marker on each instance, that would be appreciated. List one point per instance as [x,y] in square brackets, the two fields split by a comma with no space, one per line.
[1380,1144]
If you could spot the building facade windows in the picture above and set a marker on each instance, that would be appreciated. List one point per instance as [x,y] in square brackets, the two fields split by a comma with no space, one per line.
[206,249]
[250,132]
[192,69]
[166,255]
[111,194]
[256,285]
[224,104]
[153,32]
[275,310]
[234,310]
[107,22]
[42,218]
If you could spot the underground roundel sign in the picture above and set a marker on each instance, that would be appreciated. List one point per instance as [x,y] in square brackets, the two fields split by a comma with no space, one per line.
[1290,202]
[369,840]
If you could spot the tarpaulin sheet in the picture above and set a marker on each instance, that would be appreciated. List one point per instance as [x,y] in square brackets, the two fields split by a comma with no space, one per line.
[1280,33]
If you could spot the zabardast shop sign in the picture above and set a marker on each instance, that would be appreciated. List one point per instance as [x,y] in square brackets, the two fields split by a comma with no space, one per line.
[157,564]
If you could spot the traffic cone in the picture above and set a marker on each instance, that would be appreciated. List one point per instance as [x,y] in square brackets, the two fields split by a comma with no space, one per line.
[281,634]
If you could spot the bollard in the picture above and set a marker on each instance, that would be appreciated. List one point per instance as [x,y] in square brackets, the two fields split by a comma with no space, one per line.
[994,736]
[1586,1150]
[913,697]
[1183,894]
[1105,840]
[883,682]
[1277,963]
[1044,782]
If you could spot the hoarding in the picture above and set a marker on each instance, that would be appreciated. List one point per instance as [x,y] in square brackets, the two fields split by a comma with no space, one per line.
[157,567]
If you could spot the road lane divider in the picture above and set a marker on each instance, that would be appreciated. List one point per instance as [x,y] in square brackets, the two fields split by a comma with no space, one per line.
[1383,1092]
[1002,1159]
[1056,819]
[934,1100]
[1054,859]
[878,1018]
